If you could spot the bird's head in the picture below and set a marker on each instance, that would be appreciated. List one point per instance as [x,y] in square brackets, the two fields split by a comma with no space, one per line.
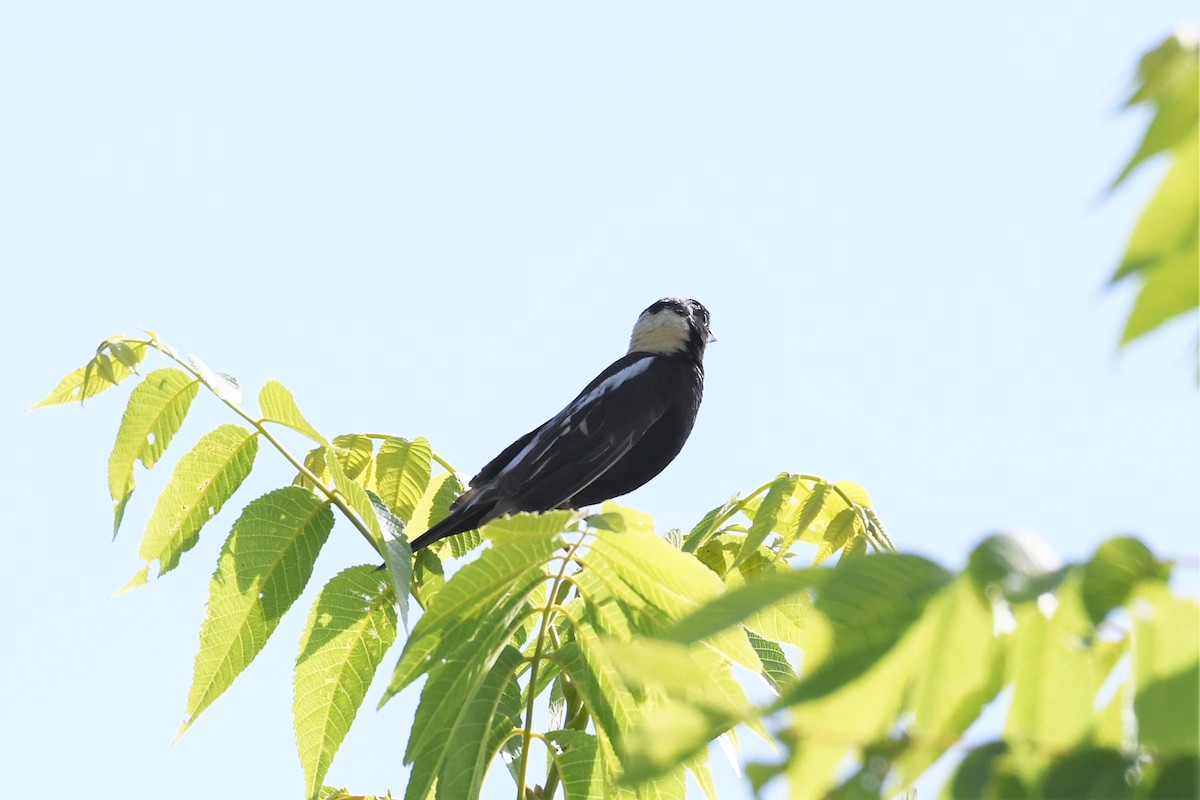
[672,326]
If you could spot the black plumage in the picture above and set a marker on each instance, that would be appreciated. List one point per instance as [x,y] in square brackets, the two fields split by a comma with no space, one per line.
[623,429]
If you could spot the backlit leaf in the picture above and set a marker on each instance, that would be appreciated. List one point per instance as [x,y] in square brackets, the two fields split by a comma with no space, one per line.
[203,480]
[278,405]
[264,566]
[98,375]
[402,473]
[154,415]
[350,628]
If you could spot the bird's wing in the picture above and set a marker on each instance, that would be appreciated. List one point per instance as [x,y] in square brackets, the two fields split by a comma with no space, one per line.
[583,440]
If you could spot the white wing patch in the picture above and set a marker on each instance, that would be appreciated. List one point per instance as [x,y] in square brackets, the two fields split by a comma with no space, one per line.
[561,424]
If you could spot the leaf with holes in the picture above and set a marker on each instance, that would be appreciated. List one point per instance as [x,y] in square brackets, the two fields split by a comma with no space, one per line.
[204,479]
[154,415]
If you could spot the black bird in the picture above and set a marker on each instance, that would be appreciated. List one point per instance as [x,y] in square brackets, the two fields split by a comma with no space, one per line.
[624,428]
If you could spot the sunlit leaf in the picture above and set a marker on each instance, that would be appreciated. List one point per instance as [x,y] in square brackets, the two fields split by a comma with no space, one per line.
[511,569]
[154,415]
[278,405]
[963,671]
[264,566]
[98,375]
[578,758]
[1055,679]
[402,473]
[1167,670]
[1169,288]
[350,628]
[203,480]
[766,517]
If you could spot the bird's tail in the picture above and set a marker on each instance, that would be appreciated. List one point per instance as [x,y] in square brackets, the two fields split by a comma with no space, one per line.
[462,517]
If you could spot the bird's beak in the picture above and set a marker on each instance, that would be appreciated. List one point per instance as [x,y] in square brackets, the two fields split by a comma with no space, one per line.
[712,337]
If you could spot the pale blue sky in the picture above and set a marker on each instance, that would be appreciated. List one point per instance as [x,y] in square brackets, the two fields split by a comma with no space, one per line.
[442,220]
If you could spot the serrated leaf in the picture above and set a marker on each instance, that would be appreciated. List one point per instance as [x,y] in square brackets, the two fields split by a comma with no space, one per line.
[839,533]
[511,569]
[433,506]
[810,509]
[356,497]
[469,748]
[776,671]
[98,375]
[708,525]
[403,470]
[577,755]
[351,626]
[264,566]
[278,405]
[670,581]
[766,517]
[521,526]
[203,480]
[604,693]
[157,407]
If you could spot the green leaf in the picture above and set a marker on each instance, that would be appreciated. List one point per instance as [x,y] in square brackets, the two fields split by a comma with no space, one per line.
[350,628]
[1166,670]
[1177,778]
[469,745]
[433,507]
[278,405]
[204,479]
[766,517]
[776,671]
[1169,79]
[665,738]
[579,763]
[740,605]
[869,604]
[841,530]
[402,473]
[1055,679]
[356,497]
[810,510]
[986,773]
[1111,574]
[98,375]
[154,415]
[511,569]
[962,671]
[1089,772]
[708,526]
[605,695]
[264,566]
[1170,288]
[671,582]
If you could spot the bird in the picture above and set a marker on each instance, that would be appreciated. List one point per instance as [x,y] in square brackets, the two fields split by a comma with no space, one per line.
[621,431]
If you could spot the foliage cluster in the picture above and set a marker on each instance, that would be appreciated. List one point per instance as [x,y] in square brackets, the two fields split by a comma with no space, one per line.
[596,659]
[1164,248]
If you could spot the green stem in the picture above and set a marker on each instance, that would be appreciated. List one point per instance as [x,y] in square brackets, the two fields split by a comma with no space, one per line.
[535,662]
[334,496]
